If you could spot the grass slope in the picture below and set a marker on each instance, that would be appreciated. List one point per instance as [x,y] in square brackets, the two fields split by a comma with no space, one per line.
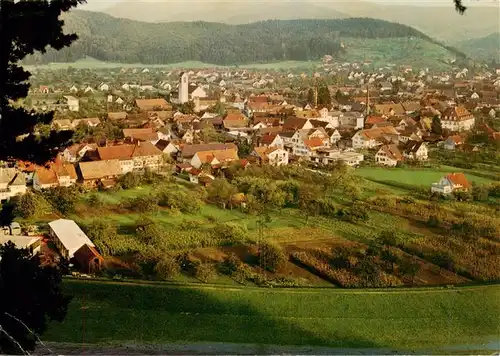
[413,177]
[395,319]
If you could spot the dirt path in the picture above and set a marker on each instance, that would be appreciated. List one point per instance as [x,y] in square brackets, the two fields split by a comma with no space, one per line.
[202,349]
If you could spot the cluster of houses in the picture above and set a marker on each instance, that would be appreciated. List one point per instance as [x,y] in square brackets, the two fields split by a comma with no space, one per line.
[395,126]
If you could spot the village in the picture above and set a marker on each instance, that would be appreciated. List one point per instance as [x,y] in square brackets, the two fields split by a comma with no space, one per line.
[196,124]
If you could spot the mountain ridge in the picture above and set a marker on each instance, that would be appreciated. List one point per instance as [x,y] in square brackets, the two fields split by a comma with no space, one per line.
[121,40]
[440,22]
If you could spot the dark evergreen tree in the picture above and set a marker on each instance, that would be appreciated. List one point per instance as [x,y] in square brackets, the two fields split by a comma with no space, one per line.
[324,96]
[310,97]
[27,27]
[31,296]
[436,126]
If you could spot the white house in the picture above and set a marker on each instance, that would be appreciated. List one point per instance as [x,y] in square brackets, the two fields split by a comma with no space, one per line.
[457,119]
[103,87]
[416,150]
[273,156]
[451,183]
[371,138]
[76,152]
[12,183]
[68,237]
[388,155]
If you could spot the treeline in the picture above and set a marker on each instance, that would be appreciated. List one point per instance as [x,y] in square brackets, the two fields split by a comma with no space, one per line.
[119,40]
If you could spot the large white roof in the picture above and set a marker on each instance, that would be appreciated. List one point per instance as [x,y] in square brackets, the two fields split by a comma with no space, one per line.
[19,241]
[70,235]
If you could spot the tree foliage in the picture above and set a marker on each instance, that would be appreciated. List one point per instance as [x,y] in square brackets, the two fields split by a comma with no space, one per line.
[272,257]
[119,40]
[28,27]
[31,296]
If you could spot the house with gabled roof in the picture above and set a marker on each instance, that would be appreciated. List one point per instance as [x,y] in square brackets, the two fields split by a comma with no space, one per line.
[152,104]
[371,138]
[271,140]
[457,119]
[450,183]
[453,142]
[214,157]
[274,156]
[57,174]
[389,155]
[415,150]
[12,183]
[142,135]
[99,173]
[137,157]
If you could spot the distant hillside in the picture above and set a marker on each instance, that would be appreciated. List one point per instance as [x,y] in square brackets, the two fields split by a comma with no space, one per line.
[106,38]
[484,48]
[440,22]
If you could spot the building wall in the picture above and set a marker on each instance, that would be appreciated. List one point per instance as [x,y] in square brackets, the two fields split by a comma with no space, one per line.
[183,89]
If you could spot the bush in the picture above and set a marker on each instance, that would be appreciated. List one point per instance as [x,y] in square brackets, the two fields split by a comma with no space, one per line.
[433,221]
[187,202]
[129,180]
[229,233]
[167,268]
[230,264]
[272,257]
[205,272]
[142,204]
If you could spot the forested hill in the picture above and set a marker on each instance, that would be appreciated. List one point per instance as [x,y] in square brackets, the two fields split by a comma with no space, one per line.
[485,48]
[120,40]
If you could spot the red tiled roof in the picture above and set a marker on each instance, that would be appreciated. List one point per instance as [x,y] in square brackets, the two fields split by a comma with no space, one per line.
[458,178]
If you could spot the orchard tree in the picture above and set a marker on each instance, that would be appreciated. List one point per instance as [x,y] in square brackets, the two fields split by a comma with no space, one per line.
[27,27]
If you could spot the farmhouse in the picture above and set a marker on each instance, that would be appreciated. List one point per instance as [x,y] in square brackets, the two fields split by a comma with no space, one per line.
[451,183]
[58,174]
[99,173]
[68,237]
[143,155]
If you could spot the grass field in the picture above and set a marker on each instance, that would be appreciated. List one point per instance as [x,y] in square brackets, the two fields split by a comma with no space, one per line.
[413,177]
[397,319]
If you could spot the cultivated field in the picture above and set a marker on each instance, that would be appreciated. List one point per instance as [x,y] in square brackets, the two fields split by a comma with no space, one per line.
[399,320]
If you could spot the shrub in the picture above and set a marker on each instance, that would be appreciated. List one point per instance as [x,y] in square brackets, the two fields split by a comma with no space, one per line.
[129,180]
[205,272]
[167,268]
[433,221]
[187,202]
[272,257]
[230,264]
[229,233]
[142,204]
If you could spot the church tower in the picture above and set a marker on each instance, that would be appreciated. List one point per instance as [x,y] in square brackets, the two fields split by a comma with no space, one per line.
[183,88]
